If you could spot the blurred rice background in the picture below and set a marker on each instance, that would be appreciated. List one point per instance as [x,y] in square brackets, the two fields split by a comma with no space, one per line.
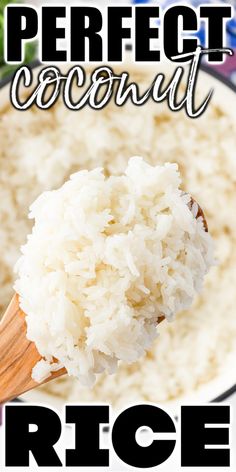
[227,69]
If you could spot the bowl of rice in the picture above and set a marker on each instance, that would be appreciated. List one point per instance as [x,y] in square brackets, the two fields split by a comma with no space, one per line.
[193,358]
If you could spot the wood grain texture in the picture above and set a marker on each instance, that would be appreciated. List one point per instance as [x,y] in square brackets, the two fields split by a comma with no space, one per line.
[18,355]
[200,213]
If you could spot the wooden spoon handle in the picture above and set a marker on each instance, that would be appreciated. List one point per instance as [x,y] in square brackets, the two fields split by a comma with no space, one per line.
[18,355]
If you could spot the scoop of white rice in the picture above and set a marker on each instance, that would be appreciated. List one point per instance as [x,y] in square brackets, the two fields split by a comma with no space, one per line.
[106,258]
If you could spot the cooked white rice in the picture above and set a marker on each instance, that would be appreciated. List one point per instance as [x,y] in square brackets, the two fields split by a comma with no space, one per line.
[198,346]
[106,258]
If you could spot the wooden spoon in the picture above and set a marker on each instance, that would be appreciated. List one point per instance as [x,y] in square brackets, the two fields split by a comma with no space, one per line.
[18,355]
